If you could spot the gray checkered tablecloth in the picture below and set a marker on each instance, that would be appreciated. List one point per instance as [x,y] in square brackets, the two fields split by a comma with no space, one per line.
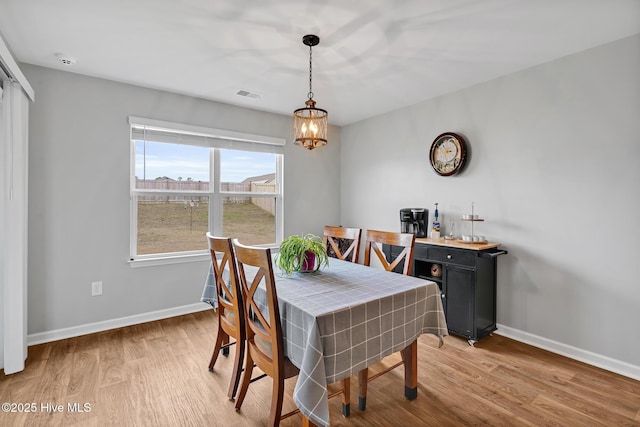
[209,291]
[344,318]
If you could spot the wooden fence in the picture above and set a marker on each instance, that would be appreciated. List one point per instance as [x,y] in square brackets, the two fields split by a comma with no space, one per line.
[266,203]
[171,184]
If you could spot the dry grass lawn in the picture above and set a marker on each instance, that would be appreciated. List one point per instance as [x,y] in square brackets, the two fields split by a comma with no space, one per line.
[172,227]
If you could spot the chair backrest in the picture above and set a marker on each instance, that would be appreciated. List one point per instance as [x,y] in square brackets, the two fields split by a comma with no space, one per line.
[229,292]
[341,241]
[264,331]
[405,240]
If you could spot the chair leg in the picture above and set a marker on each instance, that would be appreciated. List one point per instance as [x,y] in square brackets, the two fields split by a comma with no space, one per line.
[363,378]
[246,379]
[225,343]
[276,401]
[237,369]
[306,422]
[220,339]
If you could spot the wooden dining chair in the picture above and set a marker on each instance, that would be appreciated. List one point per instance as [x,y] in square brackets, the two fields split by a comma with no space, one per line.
[342,243]
[265,341]
[373,239]
[231,321]
[265,345]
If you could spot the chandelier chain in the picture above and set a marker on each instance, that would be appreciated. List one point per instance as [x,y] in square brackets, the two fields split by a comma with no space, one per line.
[310,94]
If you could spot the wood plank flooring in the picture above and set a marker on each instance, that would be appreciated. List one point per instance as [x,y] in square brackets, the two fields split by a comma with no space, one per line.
[155,374]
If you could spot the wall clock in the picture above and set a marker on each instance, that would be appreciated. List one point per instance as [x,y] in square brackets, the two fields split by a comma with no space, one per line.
[448,153]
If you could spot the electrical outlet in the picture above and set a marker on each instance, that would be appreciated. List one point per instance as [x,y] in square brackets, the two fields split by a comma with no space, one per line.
[96,288]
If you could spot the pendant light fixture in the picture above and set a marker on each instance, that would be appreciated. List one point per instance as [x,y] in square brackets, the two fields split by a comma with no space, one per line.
[310,123]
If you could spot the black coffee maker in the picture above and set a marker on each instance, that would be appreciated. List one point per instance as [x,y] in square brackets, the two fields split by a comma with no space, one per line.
[414,220]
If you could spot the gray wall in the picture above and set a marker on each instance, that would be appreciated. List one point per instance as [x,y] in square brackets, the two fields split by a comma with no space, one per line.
[79,196]
[553,169]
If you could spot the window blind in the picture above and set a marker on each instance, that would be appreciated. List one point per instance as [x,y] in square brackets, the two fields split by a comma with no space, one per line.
[176,133]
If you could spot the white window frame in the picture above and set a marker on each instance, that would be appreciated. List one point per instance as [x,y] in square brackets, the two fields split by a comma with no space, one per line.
[215,139]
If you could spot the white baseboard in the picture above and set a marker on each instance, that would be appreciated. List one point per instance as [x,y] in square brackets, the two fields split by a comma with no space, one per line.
[91,328]
[604,362]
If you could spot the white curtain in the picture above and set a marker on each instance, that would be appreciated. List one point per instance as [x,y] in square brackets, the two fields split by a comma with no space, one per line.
[3,82]
[13,226]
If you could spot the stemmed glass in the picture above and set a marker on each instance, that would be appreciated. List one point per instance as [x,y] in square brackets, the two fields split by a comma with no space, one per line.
[452,226]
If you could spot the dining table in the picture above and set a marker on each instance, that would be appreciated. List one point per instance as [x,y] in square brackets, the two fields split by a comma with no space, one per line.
[344,318]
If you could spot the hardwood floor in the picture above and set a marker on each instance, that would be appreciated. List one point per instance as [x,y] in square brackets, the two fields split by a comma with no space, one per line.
[155,374]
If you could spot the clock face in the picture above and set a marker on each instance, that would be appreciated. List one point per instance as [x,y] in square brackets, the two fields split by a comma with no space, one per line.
[448,153]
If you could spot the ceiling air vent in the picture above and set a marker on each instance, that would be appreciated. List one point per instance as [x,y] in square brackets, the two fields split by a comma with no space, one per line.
[247,94]
[66,60]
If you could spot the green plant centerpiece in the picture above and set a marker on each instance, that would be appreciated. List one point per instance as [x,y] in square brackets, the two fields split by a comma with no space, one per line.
[304,253]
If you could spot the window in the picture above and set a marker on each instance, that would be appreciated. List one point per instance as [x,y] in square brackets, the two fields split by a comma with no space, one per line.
[187,180]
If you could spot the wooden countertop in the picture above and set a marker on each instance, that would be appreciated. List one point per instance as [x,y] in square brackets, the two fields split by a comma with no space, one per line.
[456,244]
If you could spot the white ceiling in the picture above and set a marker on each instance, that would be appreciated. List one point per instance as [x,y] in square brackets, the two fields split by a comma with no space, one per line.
[374,56]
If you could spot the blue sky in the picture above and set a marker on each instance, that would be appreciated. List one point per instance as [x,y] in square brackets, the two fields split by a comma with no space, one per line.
[188,161]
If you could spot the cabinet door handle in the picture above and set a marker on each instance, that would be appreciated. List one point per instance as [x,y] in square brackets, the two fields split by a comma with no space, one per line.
[449,257]
[442,296]
[494,254]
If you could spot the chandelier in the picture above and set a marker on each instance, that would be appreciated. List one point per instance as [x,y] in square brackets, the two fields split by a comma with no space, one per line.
[310,123]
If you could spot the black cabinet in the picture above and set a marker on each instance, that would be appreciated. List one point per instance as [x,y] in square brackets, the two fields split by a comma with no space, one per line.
[458,301]
[467,280]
